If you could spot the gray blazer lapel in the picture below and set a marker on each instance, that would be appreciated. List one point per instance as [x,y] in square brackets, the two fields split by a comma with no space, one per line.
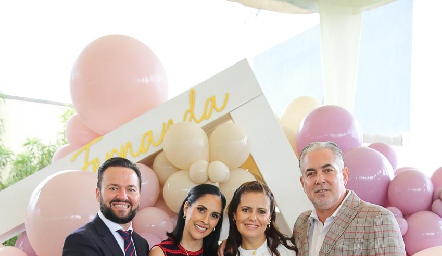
[301,231]
[345,215]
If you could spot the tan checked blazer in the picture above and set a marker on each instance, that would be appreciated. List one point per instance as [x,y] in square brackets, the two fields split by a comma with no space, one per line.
[360,228]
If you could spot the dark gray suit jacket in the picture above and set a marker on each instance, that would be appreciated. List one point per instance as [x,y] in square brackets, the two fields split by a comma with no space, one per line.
[95,239]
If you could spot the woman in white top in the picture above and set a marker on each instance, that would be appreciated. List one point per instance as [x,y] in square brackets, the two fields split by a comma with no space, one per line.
[252,224]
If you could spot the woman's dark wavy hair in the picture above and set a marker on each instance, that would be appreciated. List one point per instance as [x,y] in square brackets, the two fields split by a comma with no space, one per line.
[274,236]
[210,242]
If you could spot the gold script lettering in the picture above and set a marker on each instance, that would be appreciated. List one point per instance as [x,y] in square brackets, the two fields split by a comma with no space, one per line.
[147,138]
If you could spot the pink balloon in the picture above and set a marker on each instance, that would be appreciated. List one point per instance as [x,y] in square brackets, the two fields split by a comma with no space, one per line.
[411,191]
[386,150]
[370,174]
[437,193]
[23,244]
[77,133]
[399,170]
[436,207]
[403,225]
[151,239]
[424,231]
[115,79]
[330,123]
[396,212]
[436,178]
[11,251]
[63,151]
[150,186]
[60,204]
[154,221]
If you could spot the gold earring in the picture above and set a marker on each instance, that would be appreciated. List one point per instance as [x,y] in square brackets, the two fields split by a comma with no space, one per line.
[213,229]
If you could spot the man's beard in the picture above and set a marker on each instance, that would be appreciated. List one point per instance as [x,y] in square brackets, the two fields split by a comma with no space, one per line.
[110,215]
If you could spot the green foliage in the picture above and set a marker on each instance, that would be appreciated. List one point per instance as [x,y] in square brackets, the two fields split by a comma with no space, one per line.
[35,156]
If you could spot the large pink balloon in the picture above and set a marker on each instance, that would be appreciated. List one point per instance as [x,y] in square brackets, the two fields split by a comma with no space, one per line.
[436,178]
[330,123]
[369,174]
[60,204]
[151,239]
[154,221]
[11,251]
[77,133]
[424,231]
[150,187]
[23,244]
[411,191]
[115,79]
[386,150]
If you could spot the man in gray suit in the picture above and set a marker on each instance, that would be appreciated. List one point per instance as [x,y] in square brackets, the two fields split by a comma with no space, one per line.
[341,223]
[110,232]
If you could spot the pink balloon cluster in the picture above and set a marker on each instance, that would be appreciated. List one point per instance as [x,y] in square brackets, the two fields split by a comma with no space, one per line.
[414,199]
[418,209]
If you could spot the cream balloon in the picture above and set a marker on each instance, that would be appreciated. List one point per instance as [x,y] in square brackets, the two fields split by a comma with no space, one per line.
[218,171]
[163,167]
[184,143]
[198,171]
[229,144]
[291,137]
[176,188]
[237,178]
[297,110]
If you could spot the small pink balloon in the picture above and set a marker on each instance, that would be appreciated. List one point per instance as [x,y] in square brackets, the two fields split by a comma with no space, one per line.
[437,193]
[436,207]
[436,178]
[403,225]
[370,174]
[396,212]
[153,221]
[77,133]
[151,239]
[386,150]
[63,151]
[11,251]
[23,244]
[150,186]
[424,231]
[411,191]
[115,79]
[60,204]
[399,170]
[330,123]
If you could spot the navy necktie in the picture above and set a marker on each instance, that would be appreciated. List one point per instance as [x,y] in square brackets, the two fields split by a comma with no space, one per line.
[129,249]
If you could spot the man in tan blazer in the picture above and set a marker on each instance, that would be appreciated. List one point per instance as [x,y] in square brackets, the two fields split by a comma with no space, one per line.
[341,223]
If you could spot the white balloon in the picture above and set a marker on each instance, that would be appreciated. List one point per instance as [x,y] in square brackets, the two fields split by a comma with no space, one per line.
[218,171]
[176,188]
[198,171]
